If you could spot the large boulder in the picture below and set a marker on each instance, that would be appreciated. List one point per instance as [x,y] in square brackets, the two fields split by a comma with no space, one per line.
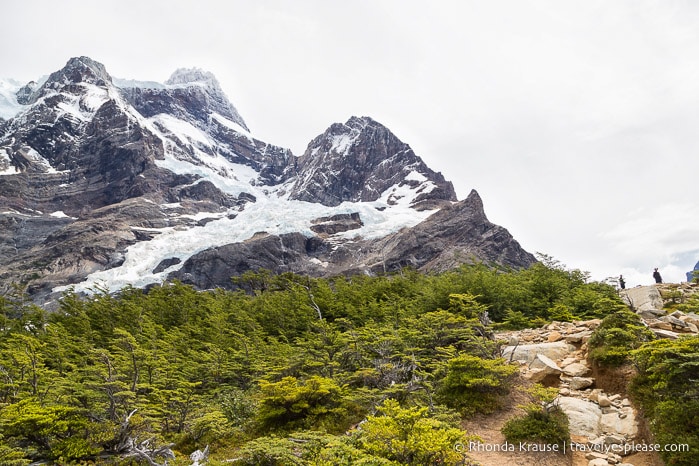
[555,351]
[622,422]
[584,416]
[643,298]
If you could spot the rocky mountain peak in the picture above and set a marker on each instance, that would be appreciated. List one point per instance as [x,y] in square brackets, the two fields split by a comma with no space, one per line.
[190,93]
[192,75]
[142,177]
[362,160]
[76,71]
[70,79]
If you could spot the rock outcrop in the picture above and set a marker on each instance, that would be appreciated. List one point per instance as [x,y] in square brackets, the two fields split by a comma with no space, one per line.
[361,160]
[692,274]
[456,234]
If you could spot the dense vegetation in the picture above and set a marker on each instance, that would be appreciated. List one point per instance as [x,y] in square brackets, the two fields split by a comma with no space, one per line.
[665,386]
[279,372]
[619,333]
[666,389]
[543,422]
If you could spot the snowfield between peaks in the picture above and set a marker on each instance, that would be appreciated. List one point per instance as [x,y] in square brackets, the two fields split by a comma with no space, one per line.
[271,215]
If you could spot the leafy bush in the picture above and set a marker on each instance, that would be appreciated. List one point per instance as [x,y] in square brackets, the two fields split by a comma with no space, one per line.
[409,437]
[538,425]
[666,390]
[473,384]
[619,333]
[543,423]
[292,404]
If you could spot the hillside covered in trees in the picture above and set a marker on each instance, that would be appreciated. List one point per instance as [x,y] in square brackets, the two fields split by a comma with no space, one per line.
[288,370]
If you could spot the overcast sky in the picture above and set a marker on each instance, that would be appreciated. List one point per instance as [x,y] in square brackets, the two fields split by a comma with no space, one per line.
[576,121]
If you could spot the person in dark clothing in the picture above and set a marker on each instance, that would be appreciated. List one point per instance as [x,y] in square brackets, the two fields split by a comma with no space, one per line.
[622,282]
[656,275]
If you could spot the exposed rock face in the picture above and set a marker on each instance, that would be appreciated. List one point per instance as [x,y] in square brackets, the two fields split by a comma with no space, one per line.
[455,235]
[643,298]
[92,166]
[359,161]
[690,275]
[283,253]
[458,233]
[336,223]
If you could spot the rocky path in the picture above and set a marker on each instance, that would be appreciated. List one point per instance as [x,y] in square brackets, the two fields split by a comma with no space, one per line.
[605,427]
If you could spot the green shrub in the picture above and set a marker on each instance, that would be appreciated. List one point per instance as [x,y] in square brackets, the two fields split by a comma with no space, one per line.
[409,436]
[619,333]
[473,384]
[539,426]
[667,392]
[317,403]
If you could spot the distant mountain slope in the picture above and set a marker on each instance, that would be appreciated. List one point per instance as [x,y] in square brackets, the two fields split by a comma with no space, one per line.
[111,182]
[360,161]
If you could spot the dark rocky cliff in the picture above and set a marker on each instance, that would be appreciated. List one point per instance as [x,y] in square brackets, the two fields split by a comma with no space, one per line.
[358,161]
[458,233]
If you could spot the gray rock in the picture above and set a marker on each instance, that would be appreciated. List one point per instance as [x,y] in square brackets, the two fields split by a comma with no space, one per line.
[622,423]
[576,370]
[584,416]
[581,383]
[337,223]
[348,163]
[651,313]
[674,321]
[544,362]
[527,353]
[642,298]
[660,333]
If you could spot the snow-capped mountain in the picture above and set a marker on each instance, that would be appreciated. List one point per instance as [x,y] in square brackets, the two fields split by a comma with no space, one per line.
[361,160]
[112,182]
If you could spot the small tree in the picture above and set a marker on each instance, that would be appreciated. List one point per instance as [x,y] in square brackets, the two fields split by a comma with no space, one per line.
[619,333]
[292,404]
[475,385]
[409,437]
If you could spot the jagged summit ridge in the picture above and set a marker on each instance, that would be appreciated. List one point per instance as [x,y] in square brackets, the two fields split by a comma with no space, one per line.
[192,75]
[112,182]
[362,160]
[81,69]
[188,91]
[77,71]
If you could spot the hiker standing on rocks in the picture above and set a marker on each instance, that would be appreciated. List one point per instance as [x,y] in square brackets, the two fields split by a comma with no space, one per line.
[656,275]
[622,283]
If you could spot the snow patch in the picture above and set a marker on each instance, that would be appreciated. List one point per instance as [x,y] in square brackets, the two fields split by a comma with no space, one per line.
[317,261]
[404,194]
[184,131]
[415,176]
[272,215]
[133,83]
[39,160]
[61,214]
[9,107]
[341,144]
[232,125]
[6,167]
[84,106]
[229,184]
